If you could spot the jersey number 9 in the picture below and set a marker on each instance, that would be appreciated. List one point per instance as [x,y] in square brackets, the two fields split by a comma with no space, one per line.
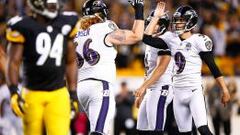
[180,61]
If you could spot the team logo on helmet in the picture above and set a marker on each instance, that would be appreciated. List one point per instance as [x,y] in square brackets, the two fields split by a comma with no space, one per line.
[91,7]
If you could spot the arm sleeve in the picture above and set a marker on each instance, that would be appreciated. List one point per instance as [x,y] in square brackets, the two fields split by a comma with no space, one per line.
[204,43]
[208,58]
[155,42]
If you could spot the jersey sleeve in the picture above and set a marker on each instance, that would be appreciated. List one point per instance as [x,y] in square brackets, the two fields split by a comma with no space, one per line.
[208,58]
[111,27]
[157,42]
[15,30]
[204,43]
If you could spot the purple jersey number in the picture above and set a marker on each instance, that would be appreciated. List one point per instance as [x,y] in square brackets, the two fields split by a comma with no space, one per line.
[80,60]
[89,55]
[180,61]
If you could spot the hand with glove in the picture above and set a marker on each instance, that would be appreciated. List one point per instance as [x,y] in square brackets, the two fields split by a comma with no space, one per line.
[74,103]
[17,101]
[138,6]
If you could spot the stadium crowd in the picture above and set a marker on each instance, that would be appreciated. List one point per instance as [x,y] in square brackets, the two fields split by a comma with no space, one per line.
[219,19]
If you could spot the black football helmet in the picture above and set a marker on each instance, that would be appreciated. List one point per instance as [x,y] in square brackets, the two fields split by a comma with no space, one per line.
[184,15]
[90,7]
[163,22]
[41,7]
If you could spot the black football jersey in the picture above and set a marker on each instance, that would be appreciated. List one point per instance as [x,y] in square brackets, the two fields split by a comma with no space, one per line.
[45,48]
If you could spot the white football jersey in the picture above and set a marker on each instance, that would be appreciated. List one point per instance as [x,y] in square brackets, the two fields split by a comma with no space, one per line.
[95,58]
[150,61]
[188,63]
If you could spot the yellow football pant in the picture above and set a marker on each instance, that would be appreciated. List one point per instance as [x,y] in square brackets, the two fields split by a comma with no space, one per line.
[49,110]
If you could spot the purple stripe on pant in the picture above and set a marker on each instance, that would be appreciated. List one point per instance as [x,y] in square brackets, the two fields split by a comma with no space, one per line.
[104,109]
[160,110]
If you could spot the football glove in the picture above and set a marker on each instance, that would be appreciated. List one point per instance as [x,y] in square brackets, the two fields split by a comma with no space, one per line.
[74,103]
[138,6]
[135,3]
[17,101]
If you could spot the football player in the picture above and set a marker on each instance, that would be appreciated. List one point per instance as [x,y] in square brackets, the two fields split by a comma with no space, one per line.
[43,41]
[157,84]
[96,54]
[189,50]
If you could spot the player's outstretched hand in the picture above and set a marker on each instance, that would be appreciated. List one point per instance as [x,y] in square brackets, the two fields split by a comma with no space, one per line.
[225,97]
[138,6]
[160,9]
[17,104]
[74,103]
[136,3]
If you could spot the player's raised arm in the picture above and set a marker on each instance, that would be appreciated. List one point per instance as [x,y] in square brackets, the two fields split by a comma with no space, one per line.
[148,37]
[164,54]
[159,11]
[129,37]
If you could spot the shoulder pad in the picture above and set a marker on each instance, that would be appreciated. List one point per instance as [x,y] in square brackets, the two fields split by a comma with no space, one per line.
[14,20]
[204,42]
[15,30]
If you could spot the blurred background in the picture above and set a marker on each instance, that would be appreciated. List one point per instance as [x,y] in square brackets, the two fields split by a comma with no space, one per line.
[219,19]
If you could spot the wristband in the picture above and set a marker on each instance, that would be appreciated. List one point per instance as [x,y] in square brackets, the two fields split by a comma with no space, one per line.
[13,89]
[139,13]
[73,94]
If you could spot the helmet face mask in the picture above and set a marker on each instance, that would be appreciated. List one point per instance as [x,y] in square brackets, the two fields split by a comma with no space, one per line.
[92,7]
[184,20]
[179,25]
[47,8]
